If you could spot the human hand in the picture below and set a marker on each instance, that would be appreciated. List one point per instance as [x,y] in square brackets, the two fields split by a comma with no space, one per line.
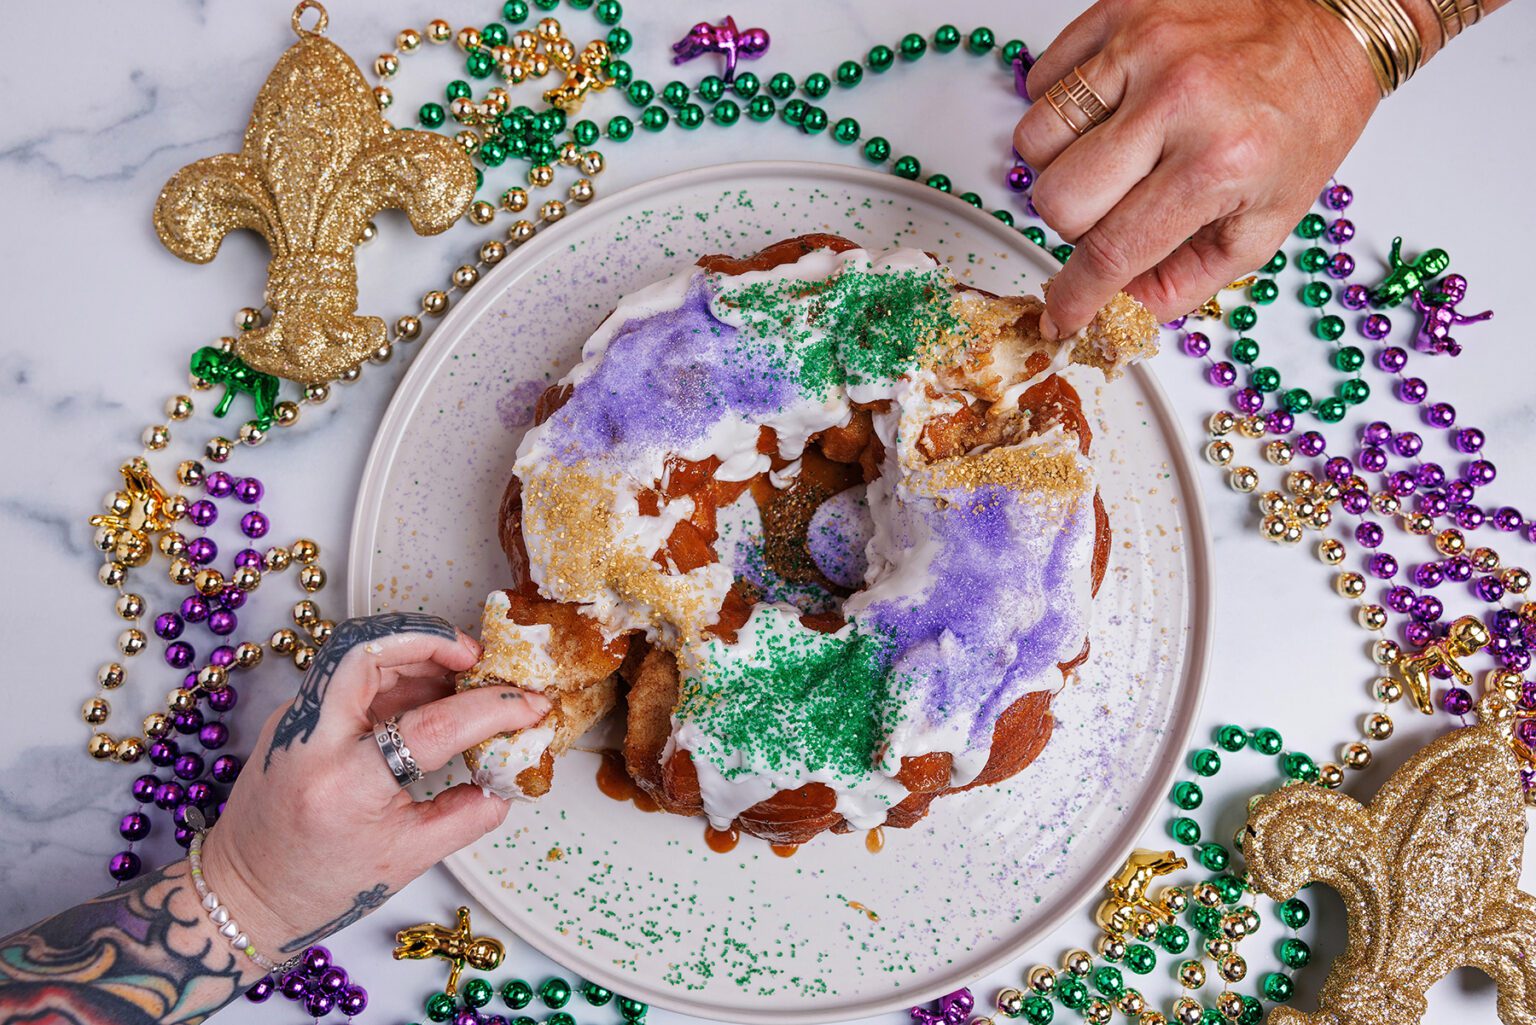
[316,833]
[1228,118]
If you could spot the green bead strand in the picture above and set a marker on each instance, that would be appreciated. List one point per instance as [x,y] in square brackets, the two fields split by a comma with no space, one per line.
[1072,993]
[478,992]
[1354,392]
[1038,1010]
[1267,741]
[940,182]
[1296,400]
[1173,938]
[877,149]
[1295,913]
[880,59]
[1311,226]
[846,131]
[620,128]
[1140,958]
[815,121]
[746,85]
[1347,358]
[479,63]
[794,111]
[980,41]
[654,119]
[913,46]
[621,40]
[640,93]
[907,167]
[431,115]
[440,1006]
[675,94]
[1232,738]
[1313,260]
[816,85]
[782,86]
[761,108]
[1245,350]
[1294,953]
[516,994]
[1186,831]
[850,74]
[595,995]
[1277,987]
[1298,766]
[1331,410]
[711,88]
[1205,761]
[1329,328]
[1109,982]
[514,12]
[946,38]
[725,113]
[555,993]
[609,12]
[1214,857]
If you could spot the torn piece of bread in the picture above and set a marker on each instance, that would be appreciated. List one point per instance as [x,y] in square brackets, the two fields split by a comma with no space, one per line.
[542,646]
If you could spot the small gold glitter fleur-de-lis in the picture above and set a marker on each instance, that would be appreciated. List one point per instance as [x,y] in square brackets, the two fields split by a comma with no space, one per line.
[1130,891]
[458,946]
[319,161]
[139,511]
[1466,635]
[1428,872]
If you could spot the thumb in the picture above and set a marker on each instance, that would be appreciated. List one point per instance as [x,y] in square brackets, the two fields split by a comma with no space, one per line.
[456,818]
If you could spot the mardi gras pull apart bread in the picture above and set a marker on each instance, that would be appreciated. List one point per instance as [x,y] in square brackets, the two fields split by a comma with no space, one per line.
[823,520]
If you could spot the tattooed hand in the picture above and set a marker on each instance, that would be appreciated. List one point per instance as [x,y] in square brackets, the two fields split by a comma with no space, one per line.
[315,835]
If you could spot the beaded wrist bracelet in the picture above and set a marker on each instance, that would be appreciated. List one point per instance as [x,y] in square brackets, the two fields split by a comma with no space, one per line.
[217,912]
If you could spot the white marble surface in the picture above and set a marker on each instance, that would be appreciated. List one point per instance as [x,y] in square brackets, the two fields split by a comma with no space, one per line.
[100,319]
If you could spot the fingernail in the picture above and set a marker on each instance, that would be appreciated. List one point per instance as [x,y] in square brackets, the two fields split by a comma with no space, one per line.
[1048,327]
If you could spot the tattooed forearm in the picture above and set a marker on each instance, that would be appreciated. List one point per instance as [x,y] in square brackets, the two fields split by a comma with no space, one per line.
[299,722]
[143,954]
[362,904]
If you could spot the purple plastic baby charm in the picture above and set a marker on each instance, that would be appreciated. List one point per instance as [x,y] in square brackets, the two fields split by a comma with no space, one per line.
[725,39]
[1438,305]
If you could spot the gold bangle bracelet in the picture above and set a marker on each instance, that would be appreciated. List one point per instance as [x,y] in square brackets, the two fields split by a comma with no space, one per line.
[1389,37]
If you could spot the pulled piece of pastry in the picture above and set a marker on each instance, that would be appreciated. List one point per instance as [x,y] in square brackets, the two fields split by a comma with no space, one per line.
[824,520]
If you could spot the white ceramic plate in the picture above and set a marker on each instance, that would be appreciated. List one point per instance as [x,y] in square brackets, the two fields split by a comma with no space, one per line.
[637,901]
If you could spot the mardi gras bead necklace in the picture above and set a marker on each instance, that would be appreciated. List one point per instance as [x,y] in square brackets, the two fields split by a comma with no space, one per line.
[1220,913]
[496,134]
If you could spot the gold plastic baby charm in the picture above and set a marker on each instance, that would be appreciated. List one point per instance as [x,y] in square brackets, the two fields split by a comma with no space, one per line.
[458,946]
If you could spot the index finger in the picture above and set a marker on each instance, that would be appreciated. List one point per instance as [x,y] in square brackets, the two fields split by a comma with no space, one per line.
[360,657]
[1153,220]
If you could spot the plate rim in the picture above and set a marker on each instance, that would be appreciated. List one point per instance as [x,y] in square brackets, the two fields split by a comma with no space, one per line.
[1200,601]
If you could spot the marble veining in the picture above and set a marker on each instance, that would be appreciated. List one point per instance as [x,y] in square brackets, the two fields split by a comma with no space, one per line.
[100,320]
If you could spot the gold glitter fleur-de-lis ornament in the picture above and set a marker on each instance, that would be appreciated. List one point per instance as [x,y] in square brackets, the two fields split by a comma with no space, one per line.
[319,161]
[1428,871]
